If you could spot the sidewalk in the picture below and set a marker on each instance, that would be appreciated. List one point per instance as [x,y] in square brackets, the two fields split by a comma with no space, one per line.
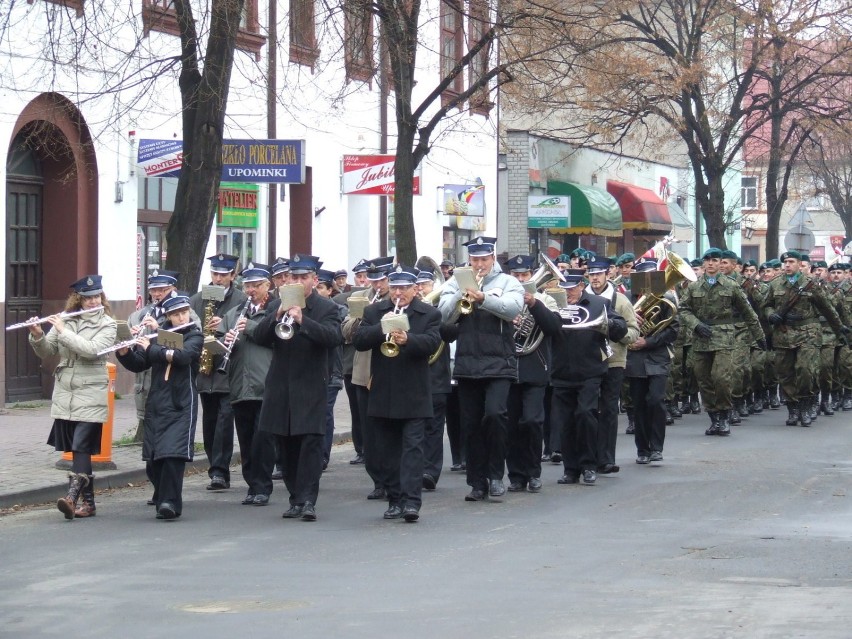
[28,474]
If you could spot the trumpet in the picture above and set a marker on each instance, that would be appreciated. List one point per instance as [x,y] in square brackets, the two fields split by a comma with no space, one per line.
[133,341]
[41,320]
[465,303]
[285,329]
[390,348]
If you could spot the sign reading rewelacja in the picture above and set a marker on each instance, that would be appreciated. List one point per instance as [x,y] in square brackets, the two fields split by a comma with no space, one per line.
[279,161]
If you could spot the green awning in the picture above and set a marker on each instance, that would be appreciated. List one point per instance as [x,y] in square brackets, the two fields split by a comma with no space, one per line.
[593,210]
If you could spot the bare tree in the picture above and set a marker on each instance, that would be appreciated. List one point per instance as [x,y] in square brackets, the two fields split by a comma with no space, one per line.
[828,156]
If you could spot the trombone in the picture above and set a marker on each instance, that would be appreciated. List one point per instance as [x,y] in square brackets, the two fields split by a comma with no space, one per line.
[42,320]
[389,348]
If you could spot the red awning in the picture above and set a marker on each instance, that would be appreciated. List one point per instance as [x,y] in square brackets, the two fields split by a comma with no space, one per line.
[641,209]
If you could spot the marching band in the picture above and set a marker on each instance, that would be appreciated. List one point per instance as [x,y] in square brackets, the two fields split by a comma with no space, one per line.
[522,365]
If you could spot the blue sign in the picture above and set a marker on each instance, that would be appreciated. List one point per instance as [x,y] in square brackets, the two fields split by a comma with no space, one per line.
[270,161]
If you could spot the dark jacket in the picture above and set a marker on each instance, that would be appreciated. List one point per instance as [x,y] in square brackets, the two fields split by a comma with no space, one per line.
[655,358]
[579,354]
[249,360]
[214,382]
[535,368]
[172,405]
[295,394]
[400,386]
[439,370]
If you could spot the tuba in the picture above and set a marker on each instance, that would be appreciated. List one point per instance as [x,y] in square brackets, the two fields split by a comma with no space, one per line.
[432,298]
[528,335]
[650,307]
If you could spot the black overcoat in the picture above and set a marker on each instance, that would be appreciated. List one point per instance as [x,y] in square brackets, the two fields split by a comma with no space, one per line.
[171,409]
[295,396]
[400,386]
[655,358]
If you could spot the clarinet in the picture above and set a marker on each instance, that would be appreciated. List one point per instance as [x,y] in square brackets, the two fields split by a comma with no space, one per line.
[226,358]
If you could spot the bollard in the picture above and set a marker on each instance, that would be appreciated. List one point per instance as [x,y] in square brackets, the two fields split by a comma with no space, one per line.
[104,460]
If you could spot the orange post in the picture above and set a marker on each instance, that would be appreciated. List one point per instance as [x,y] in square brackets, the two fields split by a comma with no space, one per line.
[106,432]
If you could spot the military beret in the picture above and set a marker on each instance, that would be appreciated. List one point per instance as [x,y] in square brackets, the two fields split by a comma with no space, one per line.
[750,263]
[776,263]
[728,255]
[696,262]
[712,253]
[787,255]
[837,266]
[820,264]
[806,257]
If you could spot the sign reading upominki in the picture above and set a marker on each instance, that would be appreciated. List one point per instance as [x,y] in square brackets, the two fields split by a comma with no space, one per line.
[372,175]
[271,161]
[549,211]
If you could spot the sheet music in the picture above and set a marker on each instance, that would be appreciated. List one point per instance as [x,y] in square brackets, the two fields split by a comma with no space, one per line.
[466,278]
[292,295]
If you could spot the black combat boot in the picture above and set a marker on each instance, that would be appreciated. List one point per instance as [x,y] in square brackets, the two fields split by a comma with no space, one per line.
[757,402]
[732,416]
[836,399]
[765,399]
[847,399]
[825,406]
[685,408]
[669,416]
[674,409]
[68,504]
[87,508]
[742,406]
[813,407]
[774,401]
[792,414]
[804,412]
[631,428]
[724,428]
[714,423]
[694,404]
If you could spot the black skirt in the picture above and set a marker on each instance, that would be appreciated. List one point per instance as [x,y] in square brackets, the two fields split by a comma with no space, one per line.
[78,437]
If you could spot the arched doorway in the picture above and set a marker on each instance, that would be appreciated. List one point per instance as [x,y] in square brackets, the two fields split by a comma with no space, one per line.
[51,228]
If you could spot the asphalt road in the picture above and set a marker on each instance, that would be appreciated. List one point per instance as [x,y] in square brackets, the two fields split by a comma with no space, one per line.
[749,536]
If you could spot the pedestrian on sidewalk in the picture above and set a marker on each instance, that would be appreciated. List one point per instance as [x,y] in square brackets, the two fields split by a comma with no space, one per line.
[172,406]
[79,402]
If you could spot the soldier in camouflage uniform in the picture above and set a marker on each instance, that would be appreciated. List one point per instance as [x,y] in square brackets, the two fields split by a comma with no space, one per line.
[708,310]
[794,307]
[756,293]
[770,375]
[842,285]
[684,383]
[740,382]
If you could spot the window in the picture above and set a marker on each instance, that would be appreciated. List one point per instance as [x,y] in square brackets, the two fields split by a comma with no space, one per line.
[159,15]
[479,24]
[749,193]
[156,199]
[358,32]
[248,37]
[303,36]
[451,47]
[77,5]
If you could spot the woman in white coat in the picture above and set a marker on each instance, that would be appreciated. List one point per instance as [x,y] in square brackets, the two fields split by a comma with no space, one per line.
[79,403]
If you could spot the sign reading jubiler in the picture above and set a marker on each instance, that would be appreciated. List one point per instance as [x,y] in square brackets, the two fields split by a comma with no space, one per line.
[274,161]
[372,175]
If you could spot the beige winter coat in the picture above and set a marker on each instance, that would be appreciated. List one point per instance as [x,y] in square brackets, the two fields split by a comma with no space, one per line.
[80,388]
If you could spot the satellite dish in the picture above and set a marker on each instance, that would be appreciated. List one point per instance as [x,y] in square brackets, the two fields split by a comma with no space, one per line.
[799,239]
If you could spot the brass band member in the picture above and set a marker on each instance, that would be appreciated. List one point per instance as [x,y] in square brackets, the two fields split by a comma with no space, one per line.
[400,401]
[217,420]
[326,288]
[79,406]
[172,406]
[246,370]
[486,364]
[294,397]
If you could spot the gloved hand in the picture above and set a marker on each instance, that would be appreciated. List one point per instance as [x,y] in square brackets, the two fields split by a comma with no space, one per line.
[702,330]
[843,339]
[775,319]
[762,345]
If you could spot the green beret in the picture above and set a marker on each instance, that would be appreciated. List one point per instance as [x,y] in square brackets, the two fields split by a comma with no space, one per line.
[786,255]
[820,264]
[805,257]
[696,262]
[750,263]
[626,257]
[728,255]
[712,253]
[837,266]
[763,266]
[776,263]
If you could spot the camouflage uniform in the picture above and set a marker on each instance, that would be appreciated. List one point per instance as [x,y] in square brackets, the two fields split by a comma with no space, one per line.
[757,295]
[684,386]
[740,363]
[829,349]
[712,302]
[843,376]
[797,339]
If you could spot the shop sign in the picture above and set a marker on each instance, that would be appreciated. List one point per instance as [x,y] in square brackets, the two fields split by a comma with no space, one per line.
[238,205]
[267,161]
[372,175]
[548,211]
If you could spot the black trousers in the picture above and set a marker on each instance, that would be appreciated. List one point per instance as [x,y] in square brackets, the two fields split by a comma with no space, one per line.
[433,438]
[608,414]
[551,437]
[257,448]
[167,477]
[649,412]
[575,413]
[524,442]
[328,440]
[399,443]
[484,417]
[217,423]
[355,412]
[368,438]
[458,445]
[302,460]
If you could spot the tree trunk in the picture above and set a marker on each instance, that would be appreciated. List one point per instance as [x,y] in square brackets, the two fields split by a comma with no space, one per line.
[205,98]
[403,203]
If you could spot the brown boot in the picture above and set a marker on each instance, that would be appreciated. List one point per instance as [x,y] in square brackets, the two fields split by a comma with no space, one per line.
[87,508]
[68,504]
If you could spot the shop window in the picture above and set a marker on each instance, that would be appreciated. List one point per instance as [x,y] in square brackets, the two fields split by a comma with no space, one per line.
[451,47]
[358,45]
[303,33]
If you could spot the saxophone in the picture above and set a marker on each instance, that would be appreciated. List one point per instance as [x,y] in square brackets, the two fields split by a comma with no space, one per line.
[206,364]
